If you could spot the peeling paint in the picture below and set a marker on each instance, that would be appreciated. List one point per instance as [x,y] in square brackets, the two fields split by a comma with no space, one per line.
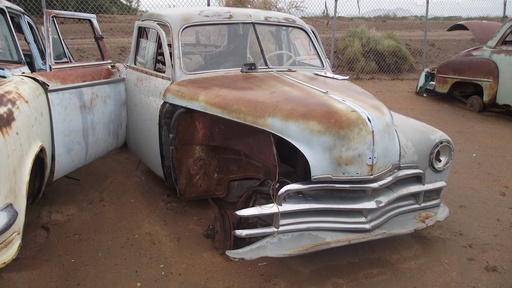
[8,104]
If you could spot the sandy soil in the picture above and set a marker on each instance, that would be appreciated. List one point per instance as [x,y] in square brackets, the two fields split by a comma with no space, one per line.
[114,223]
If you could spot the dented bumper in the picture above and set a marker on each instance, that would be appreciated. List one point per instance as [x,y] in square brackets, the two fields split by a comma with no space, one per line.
[313,216]
[296,243]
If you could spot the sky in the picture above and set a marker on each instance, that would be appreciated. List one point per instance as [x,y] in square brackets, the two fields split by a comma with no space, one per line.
[465,8]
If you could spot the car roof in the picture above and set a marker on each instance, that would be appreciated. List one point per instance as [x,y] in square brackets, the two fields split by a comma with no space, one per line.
[179,17]
[7,4]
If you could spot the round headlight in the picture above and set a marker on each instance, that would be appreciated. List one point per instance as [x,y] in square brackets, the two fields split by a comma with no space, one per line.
[441,156]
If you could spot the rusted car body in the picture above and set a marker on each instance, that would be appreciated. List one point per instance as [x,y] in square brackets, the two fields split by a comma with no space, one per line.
[480,76]
[53,121]
[240,106]
[237,106]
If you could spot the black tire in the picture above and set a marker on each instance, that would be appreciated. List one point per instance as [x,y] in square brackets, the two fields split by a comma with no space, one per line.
[475,104]
[35,184]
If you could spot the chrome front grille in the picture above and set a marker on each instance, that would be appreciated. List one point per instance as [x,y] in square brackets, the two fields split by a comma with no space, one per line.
[343,206]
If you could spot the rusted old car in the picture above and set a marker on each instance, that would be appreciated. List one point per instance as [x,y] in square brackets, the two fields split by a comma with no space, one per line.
[479,76]
[55,115]
[237,106]
[240,106]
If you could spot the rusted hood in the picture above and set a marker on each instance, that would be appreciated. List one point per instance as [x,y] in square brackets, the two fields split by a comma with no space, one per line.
[342,130]
[483,31]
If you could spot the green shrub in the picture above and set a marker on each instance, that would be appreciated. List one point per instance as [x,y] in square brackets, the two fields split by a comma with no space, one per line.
[366,52]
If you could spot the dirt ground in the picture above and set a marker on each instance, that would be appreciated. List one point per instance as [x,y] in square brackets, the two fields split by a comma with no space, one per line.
[114,223]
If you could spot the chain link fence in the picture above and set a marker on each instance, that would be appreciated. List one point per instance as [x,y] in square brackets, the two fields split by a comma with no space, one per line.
[364,38]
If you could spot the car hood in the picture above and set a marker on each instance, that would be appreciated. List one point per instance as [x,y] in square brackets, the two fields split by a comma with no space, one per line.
[343,131]
[483,31]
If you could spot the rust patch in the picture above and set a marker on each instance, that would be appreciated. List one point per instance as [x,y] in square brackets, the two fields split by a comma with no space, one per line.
[210,151]
[9,97]
[464,65]
[483,31]
[76,75]
[423,217]
[257,97]
[6,244]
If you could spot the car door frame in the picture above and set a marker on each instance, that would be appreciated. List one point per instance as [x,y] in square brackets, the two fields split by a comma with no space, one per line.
[87,101]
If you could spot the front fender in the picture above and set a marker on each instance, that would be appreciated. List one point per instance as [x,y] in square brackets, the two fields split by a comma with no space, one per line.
[417,141]
[25,132]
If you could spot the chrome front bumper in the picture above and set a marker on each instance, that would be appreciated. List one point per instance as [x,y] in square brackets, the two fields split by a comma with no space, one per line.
[314,216]
[296,243]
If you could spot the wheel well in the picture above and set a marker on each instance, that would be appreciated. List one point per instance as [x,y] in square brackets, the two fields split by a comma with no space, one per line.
[466,89]
[227,150]
[37,178]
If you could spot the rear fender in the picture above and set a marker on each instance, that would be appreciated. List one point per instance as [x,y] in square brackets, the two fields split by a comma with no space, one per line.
[462,69]
[25,135]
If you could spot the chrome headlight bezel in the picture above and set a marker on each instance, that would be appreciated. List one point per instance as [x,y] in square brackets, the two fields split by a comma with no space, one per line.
[441,156]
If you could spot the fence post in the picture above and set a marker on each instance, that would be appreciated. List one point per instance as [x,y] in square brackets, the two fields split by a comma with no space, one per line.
[423,64]
[504,10]
[333,40]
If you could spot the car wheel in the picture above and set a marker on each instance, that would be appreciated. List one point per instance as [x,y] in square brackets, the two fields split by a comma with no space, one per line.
[475,103]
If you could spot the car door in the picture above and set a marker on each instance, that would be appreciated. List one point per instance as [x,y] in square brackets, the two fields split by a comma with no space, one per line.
[149,73]
[85,90]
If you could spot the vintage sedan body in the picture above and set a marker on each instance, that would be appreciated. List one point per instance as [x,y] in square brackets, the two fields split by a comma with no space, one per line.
[233,105]
[52,120]
[479,76]
[240,106]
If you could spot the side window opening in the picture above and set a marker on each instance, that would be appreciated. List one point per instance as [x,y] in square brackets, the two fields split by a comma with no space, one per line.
[150,50]
[8,49]
[508,39]
[36,40]
[27,36]
[74,40]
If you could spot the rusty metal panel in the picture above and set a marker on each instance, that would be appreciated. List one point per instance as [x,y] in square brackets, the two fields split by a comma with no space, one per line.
[461,69]
[210,151]
[483,31]
[338,133]
[76,75]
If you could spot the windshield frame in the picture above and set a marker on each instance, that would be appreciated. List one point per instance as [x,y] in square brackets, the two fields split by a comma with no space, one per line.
[317,57]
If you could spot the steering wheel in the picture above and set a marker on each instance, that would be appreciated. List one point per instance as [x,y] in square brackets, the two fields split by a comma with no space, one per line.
[292,57]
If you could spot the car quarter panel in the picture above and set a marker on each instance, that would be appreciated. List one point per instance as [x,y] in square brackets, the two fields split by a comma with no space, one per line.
[461,69]
[24,132]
